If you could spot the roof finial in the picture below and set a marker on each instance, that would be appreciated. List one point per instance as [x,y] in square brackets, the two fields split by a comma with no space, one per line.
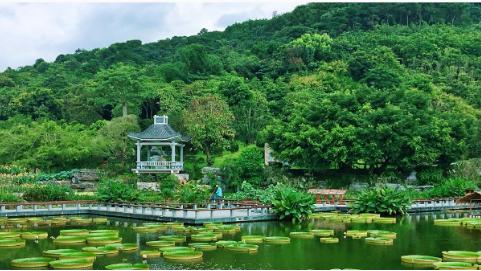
[161,119]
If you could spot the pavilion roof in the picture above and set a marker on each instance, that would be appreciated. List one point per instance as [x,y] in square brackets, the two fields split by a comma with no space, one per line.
[160,131]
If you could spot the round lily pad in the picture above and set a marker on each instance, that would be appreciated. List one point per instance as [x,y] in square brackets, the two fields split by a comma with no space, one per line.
[35,262]
[241,247]
[252,239]
[277,240]
[74,232]
[66,240]
[103,240]
[78,263]
[160,243]
[301,234]
[203,246]
[127,266]
[329,240]
[34,235]
[55,253]
[423,260]
[149,253]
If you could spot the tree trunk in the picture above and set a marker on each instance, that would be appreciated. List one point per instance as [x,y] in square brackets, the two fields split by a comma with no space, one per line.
[124,110]
[208,156]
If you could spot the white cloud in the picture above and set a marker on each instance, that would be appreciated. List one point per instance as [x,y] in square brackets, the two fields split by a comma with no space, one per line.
[45,30]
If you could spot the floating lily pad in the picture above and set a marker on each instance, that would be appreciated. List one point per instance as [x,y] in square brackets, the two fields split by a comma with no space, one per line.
[454,266]
[384,220]
[356,233]
[55,253]
[103,240]
[379,233]
[322,233]
[100,220]
[241,247]
[183,255]
[71,264]
[379,241]
[124,246]
[101,250]
[9,234]
[160,243]
[34,235]
[127,266]
[149,253]
[74,232]
[224,243]
[252,239]
[35,262]
[203,246]
[78,255]
[421,260]
[329,240]
[12,242]
[301,234]
[461,256]
[277,240]
[66,240]
[204,237]
[170,249]
[178,239]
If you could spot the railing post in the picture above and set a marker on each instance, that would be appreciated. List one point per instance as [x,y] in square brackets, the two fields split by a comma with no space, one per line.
[34,208]
[248,211]
[78,206]
[211,213]
[49,207]
[2,208]
[196,214]
[231,212]
[163,211]
[19,208]
[63,206]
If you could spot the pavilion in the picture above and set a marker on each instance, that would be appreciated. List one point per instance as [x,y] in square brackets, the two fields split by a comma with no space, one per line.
[164,151]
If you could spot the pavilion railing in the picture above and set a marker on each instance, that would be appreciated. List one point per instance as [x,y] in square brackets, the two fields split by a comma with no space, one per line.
[169,165]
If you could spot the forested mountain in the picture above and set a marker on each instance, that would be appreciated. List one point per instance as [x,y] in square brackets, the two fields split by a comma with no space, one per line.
[340,86]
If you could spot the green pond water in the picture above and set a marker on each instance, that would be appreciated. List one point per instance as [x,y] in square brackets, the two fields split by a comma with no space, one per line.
[416,234]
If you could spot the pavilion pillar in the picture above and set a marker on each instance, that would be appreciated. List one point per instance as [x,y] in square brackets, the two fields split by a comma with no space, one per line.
[182,153]
[138,151]
[148,153]
[172,146]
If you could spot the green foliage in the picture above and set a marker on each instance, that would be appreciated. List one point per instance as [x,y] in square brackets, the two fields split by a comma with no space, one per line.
[342,86]
[168,185]
[193,192]
[247,167]
[430,176]
[116,191]
[452,187]
[292,204]
[49,191]
[209,122]
[58,176]
[7,196]
[382,200]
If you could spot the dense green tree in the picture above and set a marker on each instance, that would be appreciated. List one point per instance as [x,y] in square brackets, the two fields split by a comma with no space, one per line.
[209,122]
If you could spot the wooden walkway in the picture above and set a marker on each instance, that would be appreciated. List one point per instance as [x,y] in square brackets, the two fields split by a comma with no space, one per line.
[227,212]
[416,207]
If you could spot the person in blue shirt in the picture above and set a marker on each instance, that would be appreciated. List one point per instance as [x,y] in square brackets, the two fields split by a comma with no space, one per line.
[216,194]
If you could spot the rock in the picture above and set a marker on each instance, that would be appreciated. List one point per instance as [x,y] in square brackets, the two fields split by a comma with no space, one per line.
[154,186]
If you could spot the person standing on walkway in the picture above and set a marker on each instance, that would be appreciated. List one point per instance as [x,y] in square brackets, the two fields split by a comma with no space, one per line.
[216,194]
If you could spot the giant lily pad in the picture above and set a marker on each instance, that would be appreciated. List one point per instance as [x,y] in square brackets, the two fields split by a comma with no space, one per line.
[204,237]
[78,263]
[224,243]
[149,253]
[35,262]
[160,243]
[34,235]
[322,232]
[127,266]
[77,255]
[67,240]
[252,239]
[454,266]
[379,241]
[241,247]
[178,239]
[421,260]
[461,256]
[103,240]
[277,240]
[74,232]
[12,242]
[301,234]
[55,253]
[101,250]
[183,255]
[203,246]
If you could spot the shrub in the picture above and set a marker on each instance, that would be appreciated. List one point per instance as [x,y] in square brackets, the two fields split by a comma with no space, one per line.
[193,192]
[115,191]
[247,167]
[289,203]
[8,196]
[453,187]
[381,200]
[151,197]
[48,192]
[167,185]
[429,176]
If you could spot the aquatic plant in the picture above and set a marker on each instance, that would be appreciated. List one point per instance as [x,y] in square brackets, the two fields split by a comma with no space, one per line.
[252,239]
[301,234]
[78,263]
[381,200]
[127,266]
[277,240]
[34,262]
[242,247]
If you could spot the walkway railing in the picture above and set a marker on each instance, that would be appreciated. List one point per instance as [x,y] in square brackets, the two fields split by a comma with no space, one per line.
[160,165]
[230,211]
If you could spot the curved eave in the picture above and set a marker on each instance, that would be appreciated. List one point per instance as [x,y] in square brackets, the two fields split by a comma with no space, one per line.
[174,138]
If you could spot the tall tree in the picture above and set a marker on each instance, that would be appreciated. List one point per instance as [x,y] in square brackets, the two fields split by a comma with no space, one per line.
[209,122]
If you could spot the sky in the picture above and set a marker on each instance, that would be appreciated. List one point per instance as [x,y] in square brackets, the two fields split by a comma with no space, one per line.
[30,31]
